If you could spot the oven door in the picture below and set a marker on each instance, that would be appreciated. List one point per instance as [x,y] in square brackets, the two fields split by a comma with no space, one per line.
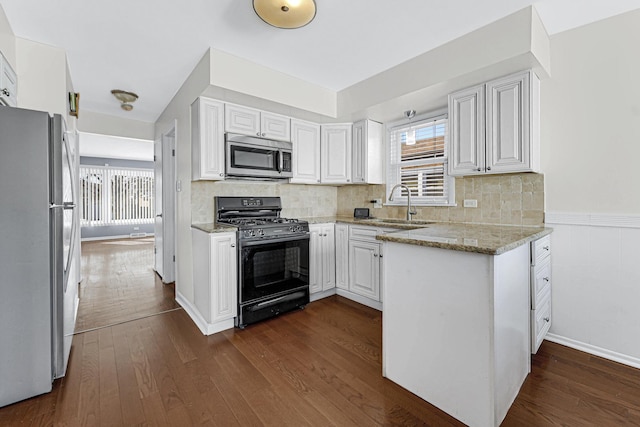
[273,267]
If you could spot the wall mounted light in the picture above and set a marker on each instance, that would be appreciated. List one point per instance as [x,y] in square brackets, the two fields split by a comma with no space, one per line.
[287,14]
[126,98]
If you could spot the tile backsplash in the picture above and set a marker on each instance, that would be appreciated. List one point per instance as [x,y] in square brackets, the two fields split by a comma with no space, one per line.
[511,199]
[297,200]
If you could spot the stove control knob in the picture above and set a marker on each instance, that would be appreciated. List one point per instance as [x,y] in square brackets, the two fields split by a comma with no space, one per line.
[249,233]
[260,232]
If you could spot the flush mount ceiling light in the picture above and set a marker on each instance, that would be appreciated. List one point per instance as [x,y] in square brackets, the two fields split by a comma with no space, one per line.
[126,98]
[285,13]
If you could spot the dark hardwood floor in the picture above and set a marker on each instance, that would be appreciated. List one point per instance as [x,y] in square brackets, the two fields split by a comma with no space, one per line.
[119,284]
[316,367]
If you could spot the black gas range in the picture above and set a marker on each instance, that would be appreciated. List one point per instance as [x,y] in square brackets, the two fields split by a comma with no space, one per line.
[273,257]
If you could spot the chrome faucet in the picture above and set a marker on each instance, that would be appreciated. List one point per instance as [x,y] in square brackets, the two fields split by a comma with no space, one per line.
[409,211]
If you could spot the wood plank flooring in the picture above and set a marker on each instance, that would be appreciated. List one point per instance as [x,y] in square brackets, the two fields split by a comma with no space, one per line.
[119,284]
[316,367]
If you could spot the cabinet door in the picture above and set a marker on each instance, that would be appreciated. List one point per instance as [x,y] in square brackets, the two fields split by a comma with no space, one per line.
[467,137]
[241,120]
[367,154]
[507,122]
[8,83]
[315,258]
[207,139]
[359,153]
[342,256]
[336,154]
[305,137]
[224,280]
[364,269]
[275,126]
[328,257]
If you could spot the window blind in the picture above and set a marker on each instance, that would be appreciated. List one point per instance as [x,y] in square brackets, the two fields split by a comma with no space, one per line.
[418,159]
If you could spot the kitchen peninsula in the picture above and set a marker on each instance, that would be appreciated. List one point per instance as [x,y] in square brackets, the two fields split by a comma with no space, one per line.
[456,324]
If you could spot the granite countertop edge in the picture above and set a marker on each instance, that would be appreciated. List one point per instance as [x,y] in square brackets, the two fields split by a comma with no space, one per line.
[536,232]
[211,227]
[402,233]
[487,250]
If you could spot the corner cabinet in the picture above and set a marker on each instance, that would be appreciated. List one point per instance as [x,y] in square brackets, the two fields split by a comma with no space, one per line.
[322,258]
[207,139]
[367,158]
[494,127]
[305,137]
[214,280]
[8,83]
[335,158]
[248,121]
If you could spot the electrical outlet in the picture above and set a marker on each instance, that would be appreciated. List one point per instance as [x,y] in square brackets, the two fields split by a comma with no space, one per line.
[377,204]
[470,203]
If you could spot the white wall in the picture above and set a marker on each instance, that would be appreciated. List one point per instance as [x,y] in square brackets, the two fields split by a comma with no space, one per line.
[7,39]
[590,113]
[104,124]
[42,77]
[114,147]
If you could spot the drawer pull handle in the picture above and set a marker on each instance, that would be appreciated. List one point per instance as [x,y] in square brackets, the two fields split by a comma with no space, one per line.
[546,279]
[6,92]
[546,319]
[546,248]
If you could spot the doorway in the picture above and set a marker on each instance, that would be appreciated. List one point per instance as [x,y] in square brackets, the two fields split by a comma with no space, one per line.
[165,189]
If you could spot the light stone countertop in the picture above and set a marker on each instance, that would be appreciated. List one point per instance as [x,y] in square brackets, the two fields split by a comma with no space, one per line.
[483,239]
[479,238]
[210,227]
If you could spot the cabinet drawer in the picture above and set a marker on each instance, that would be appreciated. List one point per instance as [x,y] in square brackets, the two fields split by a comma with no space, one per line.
[540,249]
[540,282]
[364,233]
[540,323]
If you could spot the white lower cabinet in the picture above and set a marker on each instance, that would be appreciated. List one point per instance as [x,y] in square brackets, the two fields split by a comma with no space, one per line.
[215,281]
[322,258]
[342,256]
[364,269]
[540,284]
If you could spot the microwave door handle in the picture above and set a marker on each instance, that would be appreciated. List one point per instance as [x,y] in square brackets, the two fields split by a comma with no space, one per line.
[280,161]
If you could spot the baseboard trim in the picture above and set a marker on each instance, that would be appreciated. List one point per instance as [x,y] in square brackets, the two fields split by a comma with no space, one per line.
[596,351]
[358,298]
[324,294]
[205,327]
[592,219]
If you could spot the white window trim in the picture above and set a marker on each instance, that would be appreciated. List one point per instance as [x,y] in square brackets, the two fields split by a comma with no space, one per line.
[398,199]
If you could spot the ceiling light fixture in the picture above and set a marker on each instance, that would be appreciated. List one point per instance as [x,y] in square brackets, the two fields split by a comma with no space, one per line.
[285,13]
[126,98]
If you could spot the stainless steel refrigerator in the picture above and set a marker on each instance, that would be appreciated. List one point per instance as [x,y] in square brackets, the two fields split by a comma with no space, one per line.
[37,243]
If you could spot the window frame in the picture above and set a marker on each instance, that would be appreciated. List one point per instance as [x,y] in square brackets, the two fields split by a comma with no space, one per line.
[393,170]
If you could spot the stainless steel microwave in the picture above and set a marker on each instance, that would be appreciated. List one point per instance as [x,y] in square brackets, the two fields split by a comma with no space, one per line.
[251,157]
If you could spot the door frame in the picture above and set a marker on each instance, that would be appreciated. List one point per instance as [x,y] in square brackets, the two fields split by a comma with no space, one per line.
[168,161]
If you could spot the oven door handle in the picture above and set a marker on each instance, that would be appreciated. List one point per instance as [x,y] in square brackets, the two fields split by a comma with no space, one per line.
[245,244]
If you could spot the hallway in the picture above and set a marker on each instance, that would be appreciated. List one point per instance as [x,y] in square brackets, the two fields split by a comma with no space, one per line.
[119,284]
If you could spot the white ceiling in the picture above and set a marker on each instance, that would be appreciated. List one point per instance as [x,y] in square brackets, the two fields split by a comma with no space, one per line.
[151,46]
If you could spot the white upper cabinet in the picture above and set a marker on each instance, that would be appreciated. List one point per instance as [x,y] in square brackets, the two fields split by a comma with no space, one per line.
[495,126]
[367,160]
[207,139]
[248,121]
[305,137]
[8,83]
[335,163]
